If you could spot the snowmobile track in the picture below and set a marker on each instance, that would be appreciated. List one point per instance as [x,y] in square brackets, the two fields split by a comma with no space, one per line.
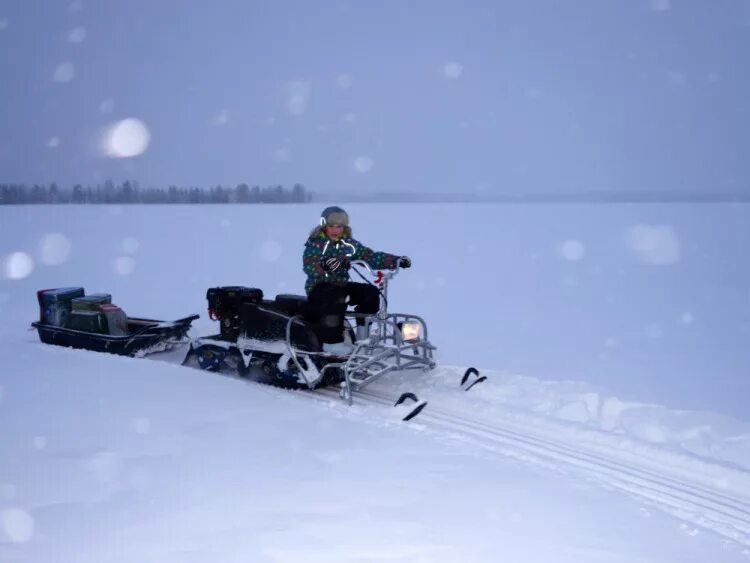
[682,492]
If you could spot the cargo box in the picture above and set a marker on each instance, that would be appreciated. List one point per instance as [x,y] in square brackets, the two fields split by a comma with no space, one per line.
[90,302]
[88,321]
[55,304]
[117,320]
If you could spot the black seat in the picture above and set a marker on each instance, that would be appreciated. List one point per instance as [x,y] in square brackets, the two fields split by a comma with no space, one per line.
[291,304]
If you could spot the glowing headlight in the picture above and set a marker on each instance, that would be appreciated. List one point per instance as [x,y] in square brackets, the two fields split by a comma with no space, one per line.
[410,331]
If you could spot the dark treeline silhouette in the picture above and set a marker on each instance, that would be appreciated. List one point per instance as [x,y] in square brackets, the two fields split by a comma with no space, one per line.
[131,192]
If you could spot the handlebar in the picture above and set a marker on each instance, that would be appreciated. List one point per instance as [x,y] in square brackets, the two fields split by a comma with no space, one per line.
[379,274]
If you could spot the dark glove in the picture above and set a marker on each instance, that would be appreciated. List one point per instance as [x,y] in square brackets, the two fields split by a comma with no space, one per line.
[331,263]
[404,262]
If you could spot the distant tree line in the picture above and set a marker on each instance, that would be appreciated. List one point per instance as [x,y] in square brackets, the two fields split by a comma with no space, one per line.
[131,192]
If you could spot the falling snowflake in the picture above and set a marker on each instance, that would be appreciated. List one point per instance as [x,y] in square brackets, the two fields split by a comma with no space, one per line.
[363,164]
[127,138]
[222,118]
[660,5]
[297,97]
[141,425]
[77,35]
[17,524]
[453,70]
[64,72]
[572,250]
[54,249]
[17,266]
[653,244]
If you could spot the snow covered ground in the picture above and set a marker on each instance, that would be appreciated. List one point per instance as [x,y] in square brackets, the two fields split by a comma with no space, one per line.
[613,425]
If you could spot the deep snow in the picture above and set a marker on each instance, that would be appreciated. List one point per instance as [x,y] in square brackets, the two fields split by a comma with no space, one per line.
[114,459]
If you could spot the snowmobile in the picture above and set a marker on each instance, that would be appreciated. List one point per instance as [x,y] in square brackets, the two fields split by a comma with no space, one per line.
[274,340]
[68,317]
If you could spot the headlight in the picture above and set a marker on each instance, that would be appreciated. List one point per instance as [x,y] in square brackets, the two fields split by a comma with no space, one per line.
[410,331]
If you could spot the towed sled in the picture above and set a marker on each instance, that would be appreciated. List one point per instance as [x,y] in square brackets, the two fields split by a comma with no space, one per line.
[70,318]
[273,340]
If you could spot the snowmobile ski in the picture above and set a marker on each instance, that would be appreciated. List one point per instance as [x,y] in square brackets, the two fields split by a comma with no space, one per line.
[416,410]
[472,371]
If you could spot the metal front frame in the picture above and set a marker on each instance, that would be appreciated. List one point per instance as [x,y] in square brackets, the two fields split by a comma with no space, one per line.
[384,351]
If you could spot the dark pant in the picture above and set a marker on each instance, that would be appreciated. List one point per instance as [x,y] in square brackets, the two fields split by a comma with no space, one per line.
[327,304]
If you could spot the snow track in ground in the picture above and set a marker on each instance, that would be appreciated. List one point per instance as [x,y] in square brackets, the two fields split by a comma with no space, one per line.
[700,492]
[706,495]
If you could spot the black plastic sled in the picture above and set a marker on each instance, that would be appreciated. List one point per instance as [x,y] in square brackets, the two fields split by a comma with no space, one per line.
[69,317]
[144,336]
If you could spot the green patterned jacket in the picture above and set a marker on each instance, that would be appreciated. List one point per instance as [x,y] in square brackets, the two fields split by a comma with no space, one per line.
[319,245]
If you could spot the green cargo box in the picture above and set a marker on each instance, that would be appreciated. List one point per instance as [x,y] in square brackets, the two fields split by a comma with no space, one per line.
[88,321]
[90,302]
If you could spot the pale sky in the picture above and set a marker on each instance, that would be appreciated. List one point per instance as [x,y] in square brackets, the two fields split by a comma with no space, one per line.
[394,95]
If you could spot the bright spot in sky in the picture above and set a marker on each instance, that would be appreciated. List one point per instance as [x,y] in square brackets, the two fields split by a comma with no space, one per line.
[687,318]
[660,5]
[141,425]
[127,138]
[107,106]
[344,81]
[453,70]
[77,35]
[130,245]
[270,250]
[53,142]
[282,155]
[65,72]
[363,164]
[297,97]
[222,118]
[17,265]
[350,117]
[3,24]
[572,250]
[55,249]
[653,244]
[39,442]
[17,524]
[124,265]
[104,465]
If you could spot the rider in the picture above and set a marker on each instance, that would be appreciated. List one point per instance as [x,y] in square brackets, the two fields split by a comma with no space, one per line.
[328,253]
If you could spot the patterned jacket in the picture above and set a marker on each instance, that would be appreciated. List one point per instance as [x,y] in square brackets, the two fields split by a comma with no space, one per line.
[319,245]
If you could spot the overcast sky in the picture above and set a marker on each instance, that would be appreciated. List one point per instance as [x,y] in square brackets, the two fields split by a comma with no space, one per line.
[396,95]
